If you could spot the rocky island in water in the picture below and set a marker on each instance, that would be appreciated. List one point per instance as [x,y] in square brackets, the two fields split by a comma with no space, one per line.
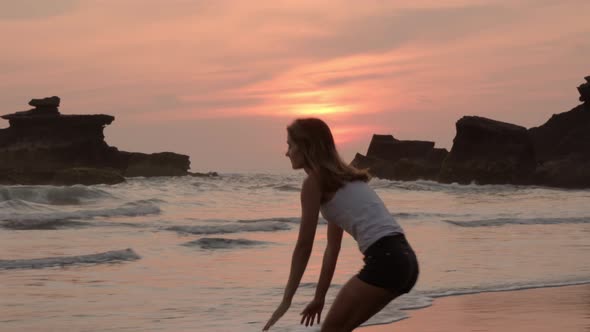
[486,151]
[43,146]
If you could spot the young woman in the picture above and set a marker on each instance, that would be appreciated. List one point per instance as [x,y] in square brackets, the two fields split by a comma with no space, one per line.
[346,201]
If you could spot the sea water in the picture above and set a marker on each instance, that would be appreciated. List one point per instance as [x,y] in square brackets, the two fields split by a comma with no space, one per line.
[213,254]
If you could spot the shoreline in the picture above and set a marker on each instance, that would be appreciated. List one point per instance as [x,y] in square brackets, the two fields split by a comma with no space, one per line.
[555,308]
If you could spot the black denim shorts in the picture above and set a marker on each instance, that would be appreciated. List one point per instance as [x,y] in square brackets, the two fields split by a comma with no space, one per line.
[390,263]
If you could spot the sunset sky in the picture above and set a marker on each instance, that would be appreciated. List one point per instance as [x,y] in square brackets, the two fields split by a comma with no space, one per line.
[220,80]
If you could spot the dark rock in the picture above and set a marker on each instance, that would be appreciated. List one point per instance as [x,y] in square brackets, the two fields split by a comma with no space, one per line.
[70,176]
[362,162]
[386,147]
[25,177]
[562,145]
[204,175]
[376,167]
[415,169]
[584,90]
[45,102]
[437,156]
[54,142]
[87,176]
[41,144]
[157,164]
[489,152]
[45,106]
[565,134]
[492,152]
[31,130]
[564,173]
[392,159]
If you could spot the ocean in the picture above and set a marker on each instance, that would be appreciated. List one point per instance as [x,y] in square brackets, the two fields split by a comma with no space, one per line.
[213,254]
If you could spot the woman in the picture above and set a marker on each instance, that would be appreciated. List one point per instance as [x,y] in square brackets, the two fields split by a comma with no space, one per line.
[346,201]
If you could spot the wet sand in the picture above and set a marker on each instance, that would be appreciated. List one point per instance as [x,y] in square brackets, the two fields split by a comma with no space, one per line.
[563,309]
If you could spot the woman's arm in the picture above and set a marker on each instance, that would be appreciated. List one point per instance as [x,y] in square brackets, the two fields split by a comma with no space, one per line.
[330,259]
[313,311]
[310,207]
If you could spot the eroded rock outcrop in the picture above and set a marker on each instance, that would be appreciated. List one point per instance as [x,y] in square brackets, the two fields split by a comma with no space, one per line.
[394,159]
[584,90]
[562,145]
[43,146]
[487,151]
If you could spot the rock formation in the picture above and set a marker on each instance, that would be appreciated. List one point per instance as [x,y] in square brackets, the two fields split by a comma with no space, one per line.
[42,146]
[394,159]
[584,90]
[486,151]
[562,145]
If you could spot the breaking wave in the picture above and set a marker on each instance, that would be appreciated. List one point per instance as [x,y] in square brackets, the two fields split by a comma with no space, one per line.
[287,187]
[100,258]
[279,219]
[222,243]
[52,195]
[516,221]
[230,228]
[288,220]
[132,209]
[40,224]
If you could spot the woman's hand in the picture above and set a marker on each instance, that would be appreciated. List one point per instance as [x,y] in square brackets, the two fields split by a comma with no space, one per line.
[309,313]
[283,307]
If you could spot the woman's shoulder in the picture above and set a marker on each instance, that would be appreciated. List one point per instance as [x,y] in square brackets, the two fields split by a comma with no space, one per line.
[312,181]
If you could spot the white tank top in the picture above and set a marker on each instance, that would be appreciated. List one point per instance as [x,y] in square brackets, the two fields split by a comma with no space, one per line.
[358,210]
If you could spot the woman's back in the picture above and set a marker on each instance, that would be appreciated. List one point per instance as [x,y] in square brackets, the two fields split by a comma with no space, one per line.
[357,209]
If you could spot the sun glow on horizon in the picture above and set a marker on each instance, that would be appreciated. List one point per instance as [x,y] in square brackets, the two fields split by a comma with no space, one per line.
[344,135]
[340,87]
[319,109]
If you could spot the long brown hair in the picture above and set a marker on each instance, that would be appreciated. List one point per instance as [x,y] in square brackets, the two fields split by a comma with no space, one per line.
[314,138]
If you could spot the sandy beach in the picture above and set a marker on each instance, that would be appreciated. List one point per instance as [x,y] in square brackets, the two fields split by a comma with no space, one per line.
[564,309]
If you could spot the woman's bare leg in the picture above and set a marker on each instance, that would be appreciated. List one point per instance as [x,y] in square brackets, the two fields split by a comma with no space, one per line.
[356,302]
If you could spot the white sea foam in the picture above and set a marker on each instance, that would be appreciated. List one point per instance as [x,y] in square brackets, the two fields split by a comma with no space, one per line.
[455,188]
[100,258]
[53,195]
[132,209]
[19,205]
[506,287]
[517,221]
[416,215]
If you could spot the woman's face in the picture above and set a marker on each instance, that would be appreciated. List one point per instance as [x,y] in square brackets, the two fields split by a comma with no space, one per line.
[294,154]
